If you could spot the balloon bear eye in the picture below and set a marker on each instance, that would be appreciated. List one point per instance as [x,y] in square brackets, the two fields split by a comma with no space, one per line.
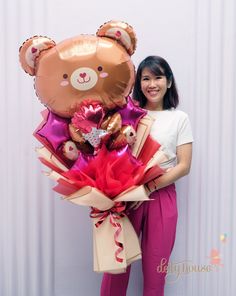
[65,76]
[100,68]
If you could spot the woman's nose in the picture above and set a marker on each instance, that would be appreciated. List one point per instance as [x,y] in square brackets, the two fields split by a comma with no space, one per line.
[152,83]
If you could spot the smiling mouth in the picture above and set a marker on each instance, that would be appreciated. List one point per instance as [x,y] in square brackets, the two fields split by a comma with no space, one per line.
[82,82]
[153,92]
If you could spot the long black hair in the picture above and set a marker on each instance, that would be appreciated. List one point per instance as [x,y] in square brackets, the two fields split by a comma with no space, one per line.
[158,66]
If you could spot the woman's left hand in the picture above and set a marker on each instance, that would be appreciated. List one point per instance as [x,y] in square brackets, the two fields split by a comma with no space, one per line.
[135,205]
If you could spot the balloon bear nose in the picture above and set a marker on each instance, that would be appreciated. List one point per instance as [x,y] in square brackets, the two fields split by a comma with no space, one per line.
[82,75]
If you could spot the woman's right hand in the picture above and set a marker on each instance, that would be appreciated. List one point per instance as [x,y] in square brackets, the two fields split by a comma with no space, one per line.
[151,186]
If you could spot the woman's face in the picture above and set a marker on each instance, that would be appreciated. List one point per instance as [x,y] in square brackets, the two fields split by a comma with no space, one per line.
[154,88]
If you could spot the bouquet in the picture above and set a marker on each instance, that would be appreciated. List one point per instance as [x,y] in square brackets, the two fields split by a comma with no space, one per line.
[105,182]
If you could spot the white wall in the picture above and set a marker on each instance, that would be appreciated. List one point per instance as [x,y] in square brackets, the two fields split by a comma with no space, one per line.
[45,243]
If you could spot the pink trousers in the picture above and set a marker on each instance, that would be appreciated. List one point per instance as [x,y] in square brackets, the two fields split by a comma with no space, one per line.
[156,222]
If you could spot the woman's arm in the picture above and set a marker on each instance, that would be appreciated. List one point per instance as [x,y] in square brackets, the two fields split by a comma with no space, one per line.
[184,157]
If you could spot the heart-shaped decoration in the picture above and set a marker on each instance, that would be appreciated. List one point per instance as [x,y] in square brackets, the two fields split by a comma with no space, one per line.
[90,115]
[82,75]
[118,34]
[34,50]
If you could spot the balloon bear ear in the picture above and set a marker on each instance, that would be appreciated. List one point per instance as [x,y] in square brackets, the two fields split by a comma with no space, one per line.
[31,50]
[120,31]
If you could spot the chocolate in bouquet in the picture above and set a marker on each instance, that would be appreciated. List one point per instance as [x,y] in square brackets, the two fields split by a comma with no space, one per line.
[95,139]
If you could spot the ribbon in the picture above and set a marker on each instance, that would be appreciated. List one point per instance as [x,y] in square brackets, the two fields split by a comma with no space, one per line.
[115,213]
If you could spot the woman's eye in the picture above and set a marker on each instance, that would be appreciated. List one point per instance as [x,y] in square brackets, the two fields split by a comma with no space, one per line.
[65,76]
[100,68]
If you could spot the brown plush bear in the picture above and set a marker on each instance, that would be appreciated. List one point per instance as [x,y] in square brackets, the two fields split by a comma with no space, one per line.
[86,68]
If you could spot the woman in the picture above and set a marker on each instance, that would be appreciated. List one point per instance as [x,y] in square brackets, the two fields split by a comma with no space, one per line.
[156,91]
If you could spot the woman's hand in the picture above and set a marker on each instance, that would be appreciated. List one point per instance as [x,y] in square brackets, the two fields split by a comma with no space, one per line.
[135,205]
[151,186]
[184,157]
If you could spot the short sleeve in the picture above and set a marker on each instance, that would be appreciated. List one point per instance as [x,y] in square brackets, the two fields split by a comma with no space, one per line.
[184,131]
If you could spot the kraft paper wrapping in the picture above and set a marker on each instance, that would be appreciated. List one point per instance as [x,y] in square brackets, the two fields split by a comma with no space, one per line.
[142,133]
[92,197]
[104,247]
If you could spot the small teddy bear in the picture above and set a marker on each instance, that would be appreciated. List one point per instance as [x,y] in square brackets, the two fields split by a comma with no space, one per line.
[86,81]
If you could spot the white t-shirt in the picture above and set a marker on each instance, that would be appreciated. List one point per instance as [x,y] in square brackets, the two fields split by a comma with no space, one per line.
[171,128]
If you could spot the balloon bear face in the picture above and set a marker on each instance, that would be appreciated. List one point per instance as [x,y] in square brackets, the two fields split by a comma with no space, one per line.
[85,67]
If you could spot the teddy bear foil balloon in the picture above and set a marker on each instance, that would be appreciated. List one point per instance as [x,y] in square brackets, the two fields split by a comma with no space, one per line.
[85,82]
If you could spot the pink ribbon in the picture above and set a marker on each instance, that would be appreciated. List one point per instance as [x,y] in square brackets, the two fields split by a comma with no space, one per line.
[115,213]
